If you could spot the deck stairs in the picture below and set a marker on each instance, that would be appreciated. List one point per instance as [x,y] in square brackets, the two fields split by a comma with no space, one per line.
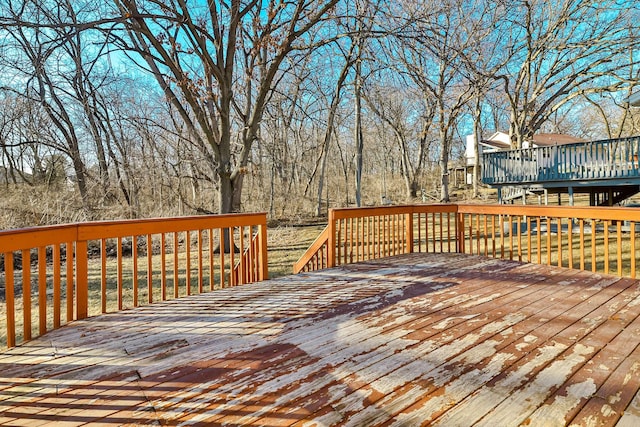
[511,193]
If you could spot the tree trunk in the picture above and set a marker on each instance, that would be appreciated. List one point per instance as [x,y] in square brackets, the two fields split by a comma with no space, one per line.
[444,168]
[477,135]
[323,170]
[358,127]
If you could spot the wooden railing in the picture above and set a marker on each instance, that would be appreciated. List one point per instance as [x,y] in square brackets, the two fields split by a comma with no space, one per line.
[56,274]
[607,159]
[360,234]
[318,254]
[586,238]
[595,239]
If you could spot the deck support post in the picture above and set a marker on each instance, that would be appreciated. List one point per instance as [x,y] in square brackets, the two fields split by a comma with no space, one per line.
[570,191]
[610,201]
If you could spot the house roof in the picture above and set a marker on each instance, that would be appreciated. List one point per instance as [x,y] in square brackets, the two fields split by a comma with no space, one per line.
[499,140]
[547,139]
[496,144]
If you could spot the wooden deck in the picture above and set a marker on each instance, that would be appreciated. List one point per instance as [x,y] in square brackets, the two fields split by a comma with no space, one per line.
[447,339]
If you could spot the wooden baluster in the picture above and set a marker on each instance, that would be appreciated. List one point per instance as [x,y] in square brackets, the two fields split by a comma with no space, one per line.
[187,273]
[419,232]
[69,280]
[149,269]
[103,275]
[26,294]
[529,249]
[222,250]
[119,273]
[518,224]
[211,260]
[9,283]
[433,230]
[510,237]
[594,260]
[548,241]
[449,232]
[570,237]
[486,242]
[42,290]
[619,243]
[82,284]
[581,224]
[426,232]
[176,277]
[241,263]
[559,234]
[632,248]
[606,246]
[200,263]
[441,235]
[539,238]
[134,274]
[163,266]
[57,286]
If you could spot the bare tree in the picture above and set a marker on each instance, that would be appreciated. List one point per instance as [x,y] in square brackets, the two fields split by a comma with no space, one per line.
[48,57]
[219,64]
[411,124]
[555,56]
[430,51]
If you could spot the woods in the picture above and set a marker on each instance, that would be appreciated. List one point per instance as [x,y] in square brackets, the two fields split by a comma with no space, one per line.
[127,109]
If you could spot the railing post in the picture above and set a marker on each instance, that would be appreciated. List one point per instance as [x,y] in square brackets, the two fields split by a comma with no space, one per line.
[409,231]
[264,265]
[459,231]
[331,241]
[82,281]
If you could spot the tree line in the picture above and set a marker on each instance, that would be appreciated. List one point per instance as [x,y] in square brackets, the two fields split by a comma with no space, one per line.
[130,108]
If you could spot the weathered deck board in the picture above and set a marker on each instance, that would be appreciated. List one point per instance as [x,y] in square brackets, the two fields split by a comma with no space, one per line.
[447,339]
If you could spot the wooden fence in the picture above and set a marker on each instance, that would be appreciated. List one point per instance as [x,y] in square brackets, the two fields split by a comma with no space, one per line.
[588,238]
[78,270]
[360,234]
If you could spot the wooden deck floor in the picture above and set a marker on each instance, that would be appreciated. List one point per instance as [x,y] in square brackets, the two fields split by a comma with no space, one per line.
[447,339]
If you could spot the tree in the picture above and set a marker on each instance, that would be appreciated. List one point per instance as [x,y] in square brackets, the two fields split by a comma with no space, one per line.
[218,63]
[430,51]
[558,52]
[410,118]
[48,58]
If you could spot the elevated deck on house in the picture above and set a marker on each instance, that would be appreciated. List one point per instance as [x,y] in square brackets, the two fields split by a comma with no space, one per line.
[450,339]
[591,167]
